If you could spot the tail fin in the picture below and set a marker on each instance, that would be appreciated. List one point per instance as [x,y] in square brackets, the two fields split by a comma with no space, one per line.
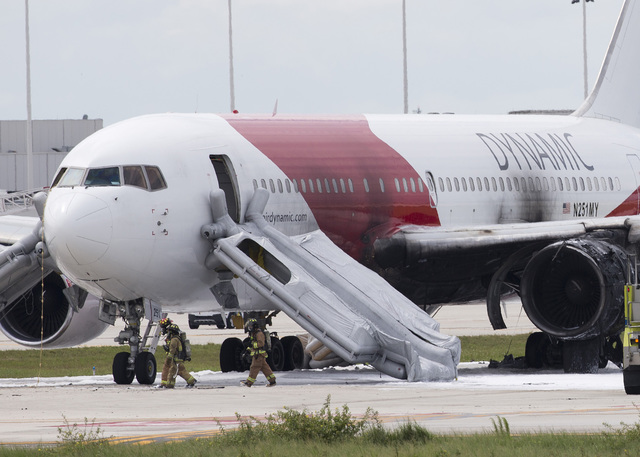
[616,95]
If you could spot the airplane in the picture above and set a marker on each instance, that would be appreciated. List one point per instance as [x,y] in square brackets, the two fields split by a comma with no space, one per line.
[356,226]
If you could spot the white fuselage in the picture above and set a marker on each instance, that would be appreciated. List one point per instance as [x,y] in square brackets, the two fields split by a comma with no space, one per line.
[122,242]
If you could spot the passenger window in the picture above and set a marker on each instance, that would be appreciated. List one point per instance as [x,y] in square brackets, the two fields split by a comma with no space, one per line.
[397,182]
[133,176]
[272,186]
[255,184]
[501,181]
[156,180]
[280,188]
[72,177]
[326,185]
[102,177]
[335,185]
[350,184]
[404,184]
[287,184]
[381,185]
[516,184]
[303,184]
[472,185]
[366,185]
[342,186]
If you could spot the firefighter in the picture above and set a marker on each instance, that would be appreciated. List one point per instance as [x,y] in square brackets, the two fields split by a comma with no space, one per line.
[174,363]
[258,353]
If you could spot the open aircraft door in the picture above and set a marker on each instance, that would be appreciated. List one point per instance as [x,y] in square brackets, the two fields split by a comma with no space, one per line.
[228,183]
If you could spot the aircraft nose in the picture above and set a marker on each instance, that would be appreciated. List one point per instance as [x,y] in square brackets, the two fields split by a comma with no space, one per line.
[77,227]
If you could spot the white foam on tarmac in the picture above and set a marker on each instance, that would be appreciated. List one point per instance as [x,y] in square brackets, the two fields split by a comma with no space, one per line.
[471,376]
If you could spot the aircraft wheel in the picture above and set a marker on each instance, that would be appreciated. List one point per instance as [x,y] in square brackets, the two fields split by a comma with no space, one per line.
[535,349]
[276,356]
[121,373]
[582,356]
[231,355]
[146,368]
[293,353]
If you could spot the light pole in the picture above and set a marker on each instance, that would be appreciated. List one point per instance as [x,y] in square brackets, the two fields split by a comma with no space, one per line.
[231,84]
[404,57]
[584,42]
[29,125]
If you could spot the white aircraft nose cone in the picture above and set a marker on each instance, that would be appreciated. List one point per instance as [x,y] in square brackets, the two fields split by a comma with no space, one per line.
[77,225]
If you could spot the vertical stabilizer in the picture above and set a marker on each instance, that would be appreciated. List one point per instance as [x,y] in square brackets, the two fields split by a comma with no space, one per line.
[616,95]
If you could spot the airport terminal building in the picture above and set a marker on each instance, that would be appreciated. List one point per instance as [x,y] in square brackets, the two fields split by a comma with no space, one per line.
[52,139]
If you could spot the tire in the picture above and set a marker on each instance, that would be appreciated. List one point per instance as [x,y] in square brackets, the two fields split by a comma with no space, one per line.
[293,353]
[535,350]
[231,355]
[276,355]
[631,377]
[146,368]
[121,375]
[582,356]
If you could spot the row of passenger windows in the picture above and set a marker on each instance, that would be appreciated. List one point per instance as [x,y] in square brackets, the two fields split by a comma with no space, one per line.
[336,186]
[530,184]
[143,176]
[521,184]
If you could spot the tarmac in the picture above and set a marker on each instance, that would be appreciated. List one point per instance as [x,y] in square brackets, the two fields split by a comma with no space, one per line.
[36,412]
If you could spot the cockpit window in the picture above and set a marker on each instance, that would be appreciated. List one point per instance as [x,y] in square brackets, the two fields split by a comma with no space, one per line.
[72,177]
[156,180]
[133,176]
[103,177]
[58,177]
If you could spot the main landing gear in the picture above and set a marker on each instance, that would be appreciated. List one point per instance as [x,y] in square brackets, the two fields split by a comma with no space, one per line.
[140,361]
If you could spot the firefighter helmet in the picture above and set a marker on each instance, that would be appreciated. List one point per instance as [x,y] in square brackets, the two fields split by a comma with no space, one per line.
[165,322]
[250,325]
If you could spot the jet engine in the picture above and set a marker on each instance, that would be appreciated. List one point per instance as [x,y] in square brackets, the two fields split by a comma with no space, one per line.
[52,314]
[573,290]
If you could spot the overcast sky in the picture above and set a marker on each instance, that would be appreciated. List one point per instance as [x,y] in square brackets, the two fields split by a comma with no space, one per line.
[115,59]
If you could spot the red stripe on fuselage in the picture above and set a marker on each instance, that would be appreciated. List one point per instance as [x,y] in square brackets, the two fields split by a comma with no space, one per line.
[325,149]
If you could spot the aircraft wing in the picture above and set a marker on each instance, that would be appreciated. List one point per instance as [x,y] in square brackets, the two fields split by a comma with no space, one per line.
[13,228]
[419,242]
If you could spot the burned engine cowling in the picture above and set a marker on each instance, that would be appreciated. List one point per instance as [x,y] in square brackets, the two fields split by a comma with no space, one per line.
[51,318]
[573,289]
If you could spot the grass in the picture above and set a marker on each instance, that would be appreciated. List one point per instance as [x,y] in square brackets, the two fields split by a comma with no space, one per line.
[80,361]
[335,432]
